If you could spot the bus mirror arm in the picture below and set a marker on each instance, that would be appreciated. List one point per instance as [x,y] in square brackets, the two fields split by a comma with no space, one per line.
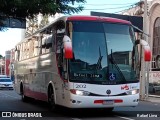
[68,52]
[140,31]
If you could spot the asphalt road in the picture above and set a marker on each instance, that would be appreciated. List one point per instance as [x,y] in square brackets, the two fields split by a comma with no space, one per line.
[10,101]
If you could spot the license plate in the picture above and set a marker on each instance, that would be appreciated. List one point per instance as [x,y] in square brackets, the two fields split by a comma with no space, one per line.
[108,102]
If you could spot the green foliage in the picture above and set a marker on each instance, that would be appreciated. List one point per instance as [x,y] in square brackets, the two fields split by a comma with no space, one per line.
[29,8]
[1,56]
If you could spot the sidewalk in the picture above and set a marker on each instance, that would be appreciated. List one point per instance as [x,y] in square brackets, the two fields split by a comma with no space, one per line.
[154,99]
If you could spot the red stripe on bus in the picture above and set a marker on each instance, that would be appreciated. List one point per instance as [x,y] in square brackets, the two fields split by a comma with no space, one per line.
[36,95]
[96,18]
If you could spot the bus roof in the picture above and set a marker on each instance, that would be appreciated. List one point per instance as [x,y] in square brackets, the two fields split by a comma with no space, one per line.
[85,18]
[98,18]
[80,18]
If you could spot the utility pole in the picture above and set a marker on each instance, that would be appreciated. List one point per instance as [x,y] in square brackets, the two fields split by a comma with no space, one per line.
[147,64]
[144,78]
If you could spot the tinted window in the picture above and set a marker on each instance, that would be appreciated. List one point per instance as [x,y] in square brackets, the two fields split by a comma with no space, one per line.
[93,43]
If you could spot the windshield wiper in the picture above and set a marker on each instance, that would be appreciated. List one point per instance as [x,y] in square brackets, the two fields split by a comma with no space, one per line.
[99,66]
[114,63]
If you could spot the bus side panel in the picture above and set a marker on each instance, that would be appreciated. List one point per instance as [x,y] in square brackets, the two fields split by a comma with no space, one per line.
[35,74]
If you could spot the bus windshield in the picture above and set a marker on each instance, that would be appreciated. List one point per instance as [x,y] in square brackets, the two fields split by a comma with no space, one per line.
[103,53]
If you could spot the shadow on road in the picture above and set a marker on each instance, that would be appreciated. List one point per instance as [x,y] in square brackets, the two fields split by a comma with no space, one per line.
[74,113]
[88,113]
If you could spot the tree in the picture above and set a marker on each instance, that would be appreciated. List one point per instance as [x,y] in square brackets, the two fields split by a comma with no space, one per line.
[29,8]
[1,56]
[32,25]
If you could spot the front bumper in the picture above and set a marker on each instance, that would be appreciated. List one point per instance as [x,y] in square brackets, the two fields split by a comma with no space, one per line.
[9,88]
[89,101]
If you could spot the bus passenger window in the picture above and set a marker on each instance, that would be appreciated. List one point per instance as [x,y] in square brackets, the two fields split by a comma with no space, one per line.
[31,47]
[54,40]
[36,47]
[16,53]
[43,44]
[27,51]
[49,43]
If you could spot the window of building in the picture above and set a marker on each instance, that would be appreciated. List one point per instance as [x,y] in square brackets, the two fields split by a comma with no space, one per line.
[156,44]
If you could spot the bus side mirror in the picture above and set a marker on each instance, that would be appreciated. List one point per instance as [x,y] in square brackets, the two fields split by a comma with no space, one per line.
[68,51]
[147,50]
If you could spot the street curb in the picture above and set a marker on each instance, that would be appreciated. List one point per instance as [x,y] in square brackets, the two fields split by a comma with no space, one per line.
[154,96]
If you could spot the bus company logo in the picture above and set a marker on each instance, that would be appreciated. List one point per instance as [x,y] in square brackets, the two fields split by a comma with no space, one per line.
[6,114]
[125,87]
[17,114]
[108,92]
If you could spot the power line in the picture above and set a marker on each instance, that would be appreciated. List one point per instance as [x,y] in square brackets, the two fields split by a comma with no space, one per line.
[105,4]
[124,9]
[108,8]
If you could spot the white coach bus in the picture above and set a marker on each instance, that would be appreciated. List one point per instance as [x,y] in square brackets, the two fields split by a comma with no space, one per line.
[81,62]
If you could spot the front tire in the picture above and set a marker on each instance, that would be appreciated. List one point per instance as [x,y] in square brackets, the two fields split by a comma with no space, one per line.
[51,99]
[24,98]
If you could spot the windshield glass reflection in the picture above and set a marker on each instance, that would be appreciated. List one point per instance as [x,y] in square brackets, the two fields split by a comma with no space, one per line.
[92,43]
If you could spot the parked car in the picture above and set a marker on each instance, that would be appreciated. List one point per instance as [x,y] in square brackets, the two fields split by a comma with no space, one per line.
[6,83]
[154,87]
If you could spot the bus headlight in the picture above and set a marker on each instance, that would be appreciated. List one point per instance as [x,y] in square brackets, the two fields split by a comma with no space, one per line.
[132,92]
[79,92]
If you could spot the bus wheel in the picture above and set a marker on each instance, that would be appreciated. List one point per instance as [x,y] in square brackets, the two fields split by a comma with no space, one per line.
[51,99]
[23,97]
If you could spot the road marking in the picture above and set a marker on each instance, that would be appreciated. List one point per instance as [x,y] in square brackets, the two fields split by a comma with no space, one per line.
[126,118]
[76,119]
[9,95]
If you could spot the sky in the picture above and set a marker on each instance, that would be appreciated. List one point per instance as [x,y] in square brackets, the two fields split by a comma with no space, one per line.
[12,36]
[108,6]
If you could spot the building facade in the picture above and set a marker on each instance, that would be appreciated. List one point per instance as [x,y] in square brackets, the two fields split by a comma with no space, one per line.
[152,26]
[2,66]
